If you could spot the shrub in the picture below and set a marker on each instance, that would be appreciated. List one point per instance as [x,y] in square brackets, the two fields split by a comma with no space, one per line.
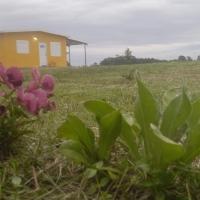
[159,141]
[80,144]
[21,105]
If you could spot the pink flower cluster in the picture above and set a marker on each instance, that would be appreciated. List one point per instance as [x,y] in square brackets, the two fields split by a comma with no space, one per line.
[35,96]
[12,77]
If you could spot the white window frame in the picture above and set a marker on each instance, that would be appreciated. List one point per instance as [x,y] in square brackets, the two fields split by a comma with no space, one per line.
[22,46]
[55,49]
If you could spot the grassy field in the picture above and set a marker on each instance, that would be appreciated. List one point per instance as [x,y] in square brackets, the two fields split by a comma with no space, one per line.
[58,178]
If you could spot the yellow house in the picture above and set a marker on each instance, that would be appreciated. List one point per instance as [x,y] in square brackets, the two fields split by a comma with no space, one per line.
[35,48]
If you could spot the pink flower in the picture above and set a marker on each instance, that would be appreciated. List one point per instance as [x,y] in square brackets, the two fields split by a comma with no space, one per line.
[27,100]
[35,83]
[33,101]
[30,103]
[47,83]
[32,86]
[14,77]
[36,75]
[36,96]
[41,96]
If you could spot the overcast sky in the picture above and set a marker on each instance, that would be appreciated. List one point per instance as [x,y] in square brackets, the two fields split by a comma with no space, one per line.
[150,28]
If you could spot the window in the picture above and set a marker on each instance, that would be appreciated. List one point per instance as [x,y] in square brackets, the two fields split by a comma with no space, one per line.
[22,46]
[55,48]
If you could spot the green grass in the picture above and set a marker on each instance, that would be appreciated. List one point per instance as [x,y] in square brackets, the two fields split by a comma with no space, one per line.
[58,178]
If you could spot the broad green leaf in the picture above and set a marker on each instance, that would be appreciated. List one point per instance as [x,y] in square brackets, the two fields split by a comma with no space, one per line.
[192,144]
[110,128]
[99,108]
[112,175]
[74,150]
[90,173]
[195,114]
[112,169]
[73,128]
[136,128]
[146,112]
[128,135]
[104,181]
[169,95]
[112,172]
[146,109]
[175,115]
[132,122]
[163,150]
[98,165]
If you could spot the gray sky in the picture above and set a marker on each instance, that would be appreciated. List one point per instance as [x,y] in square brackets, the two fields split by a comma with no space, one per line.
[150,28]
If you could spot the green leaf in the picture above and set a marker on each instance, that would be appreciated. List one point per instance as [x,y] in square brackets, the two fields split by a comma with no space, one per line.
[110,128]
[195,114]
[175,115]
[163,150]
[74,129]
[104,181]
[169,95]
[112,172]
[112,175]
[129,136]
[136,128]
[112,169]
[146,112]
[98,165]
[192,144]
[74,150]
[146,109]
[90,173]
[132,122]
[99,108]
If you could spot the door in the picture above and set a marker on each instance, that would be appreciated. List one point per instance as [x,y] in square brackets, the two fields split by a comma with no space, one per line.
[43,54]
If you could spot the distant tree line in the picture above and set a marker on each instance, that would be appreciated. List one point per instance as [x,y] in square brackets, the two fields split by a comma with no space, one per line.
[128,58]
[187,58]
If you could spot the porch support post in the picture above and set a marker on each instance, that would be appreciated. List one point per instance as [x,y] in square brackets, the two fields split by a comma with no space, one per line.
[85,53]
[69,56]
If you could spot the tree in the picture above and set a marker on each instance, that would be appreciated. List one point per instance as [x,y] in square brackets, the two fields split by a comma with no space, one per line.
[128,53]
[95,64]
[182,58]
[189,58]
[198,58]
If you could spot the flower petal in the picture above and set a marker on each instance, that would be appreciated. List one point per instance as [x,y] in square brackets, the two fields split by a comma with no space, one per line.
[48,83]
[14,77]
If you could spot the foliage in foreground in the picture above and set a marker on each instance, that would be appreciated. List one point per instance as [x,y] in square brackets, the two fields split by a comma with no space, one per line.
[160,143]
[19,104]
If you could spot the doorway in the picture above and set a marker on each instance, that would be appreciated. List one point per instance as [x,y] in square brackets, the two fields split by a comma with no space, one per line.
[42,54]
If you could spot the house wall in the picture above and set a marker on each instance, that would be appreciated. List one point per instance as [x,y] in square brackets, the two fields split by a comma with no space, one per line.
[10,57]
[1,50]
